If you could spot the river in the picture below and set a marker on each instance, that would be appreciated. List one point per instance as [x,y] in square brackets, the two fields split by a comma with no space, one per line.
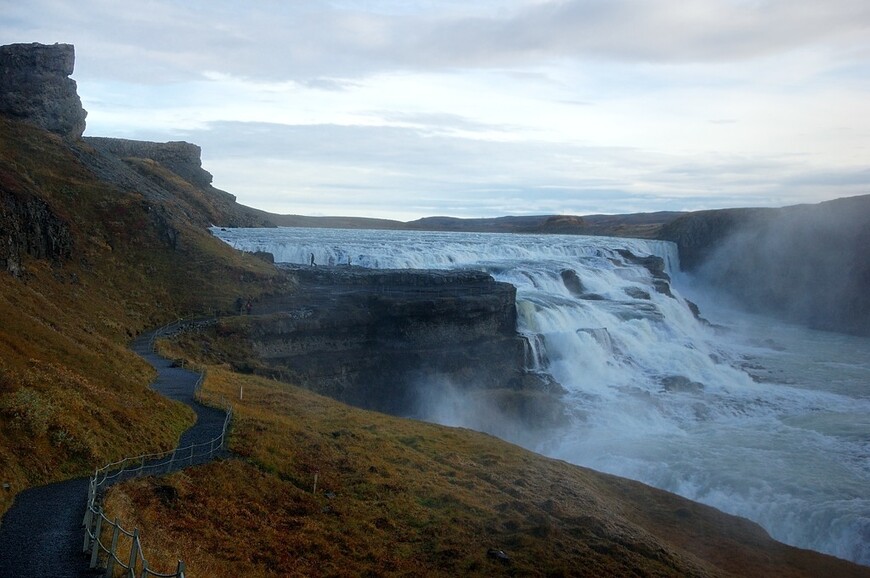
[747,414]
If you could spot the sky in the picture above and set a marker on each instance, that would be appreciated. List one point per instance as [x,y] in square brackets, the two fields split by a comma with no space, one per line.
[410,108]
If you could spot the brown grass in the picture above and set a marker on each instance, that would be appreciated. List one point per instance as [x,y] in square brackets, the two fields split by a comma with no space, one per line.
[397,497]
[72,396]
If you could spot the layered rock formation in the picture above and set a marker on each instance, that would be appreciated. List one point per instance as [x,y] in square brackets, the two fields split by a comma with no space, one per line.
[182,158]
[379,338]
[35,87]
[168,171]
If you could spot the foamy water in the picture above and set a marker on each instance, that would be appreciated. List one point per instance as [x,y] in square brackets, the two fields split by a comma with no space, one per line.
[757,418]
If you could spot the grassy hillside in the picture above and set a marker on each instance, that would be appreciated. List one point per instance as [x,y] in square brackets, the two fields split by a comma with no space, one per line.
[100,263]
[72,397]
[397,497]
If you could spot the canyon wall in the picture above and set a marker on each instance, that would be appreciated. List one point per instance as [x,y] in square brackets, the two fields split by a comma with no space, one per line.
[808,264]
[379,338]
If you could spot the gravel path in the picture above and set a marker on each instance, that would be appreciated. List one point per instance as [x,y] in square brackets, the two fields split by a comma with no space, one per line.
[41,536]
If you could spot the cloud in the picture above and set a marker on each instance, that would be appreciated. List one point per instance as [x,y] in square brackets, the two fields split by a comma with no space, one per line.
[405,172]
[483,108]
[164,41]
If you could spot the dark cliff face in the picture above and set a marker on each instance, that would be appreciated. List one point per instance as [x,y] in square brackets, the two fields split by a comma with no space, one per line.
[699,234]
[377,339]
[384,332]
[28,226]
[808,264]
[35,87]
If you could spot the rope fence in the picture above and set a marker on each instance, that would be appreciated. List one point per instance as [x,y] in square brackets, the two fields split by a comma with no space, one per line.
[124,551]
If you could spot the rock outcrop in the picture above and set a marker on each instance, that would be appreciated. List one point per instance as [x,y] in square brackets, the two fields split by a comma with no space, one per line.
[182,158]
[378,339]
[28,226]
[35,87]
[167,171]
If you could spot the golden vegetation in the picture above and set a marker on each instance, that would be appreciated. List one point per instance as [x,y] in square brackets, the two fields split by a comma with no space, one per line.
[72,395]
[394,497]
[398,497]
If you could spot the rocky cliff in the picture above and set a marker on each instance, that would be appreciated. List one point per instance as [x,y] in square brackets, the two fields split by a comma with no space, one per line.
[379,339]
[35,87]
[808,264]
[28,226]
[167,171]
[698,234]
[182,158]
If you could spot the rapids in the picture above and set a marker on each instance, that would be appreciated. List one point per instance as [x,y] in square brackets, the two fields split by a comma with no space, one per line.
[754,417]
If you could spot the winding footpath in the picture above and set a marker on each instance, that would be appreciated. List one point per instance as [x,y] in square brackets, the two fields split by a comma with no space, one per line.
[41,535]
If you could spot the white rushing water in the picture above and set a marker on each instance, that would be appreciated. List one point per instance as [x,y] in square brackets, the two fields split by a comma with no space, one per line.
[754,417]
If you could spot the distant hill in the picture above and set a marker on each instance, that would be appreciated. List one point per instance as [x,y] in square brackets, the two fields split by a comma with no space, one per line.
[328,222]
[639,225]
[566,224]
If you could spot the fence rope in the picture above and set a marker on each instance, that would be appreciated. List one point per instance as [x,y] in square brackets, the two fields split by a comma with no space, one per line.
[95,521]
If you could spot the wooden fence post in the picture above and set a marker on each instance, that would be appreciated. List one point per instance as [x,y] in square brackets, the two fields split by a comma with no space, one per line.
[134,551]
[89,518]
[95,550]
[110,562]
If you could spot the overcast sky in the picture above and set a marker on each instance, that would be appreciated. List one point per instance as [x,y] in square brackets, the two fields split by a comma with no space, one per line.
[410,108]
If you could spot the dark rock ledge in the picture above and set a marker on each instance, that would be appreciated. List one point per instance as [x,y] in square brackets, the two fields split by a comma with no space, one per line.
[379,339]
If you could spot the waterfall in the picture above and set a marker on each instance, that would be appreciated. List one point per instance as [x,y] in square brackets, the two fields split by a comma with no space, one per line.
[718,414]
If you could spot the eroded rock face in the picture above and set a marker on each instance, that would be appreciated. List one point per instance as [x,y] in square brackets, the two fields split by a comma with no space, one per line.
[35,87]
[182,158]
[379,338]
[28,226]
[656,267]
